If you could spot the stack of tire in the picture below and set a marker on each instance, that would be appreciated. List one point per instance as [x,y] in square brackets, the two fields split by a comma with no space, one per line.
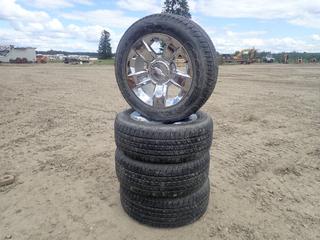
[162,157]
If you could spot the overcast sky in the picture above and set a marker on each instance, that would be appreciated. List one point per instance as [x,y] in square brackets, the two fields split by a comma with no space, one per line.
[75,25]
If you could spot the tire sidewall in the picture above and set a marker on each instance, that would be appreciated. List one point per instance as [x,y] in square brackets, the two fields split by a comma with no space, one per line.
[202,121]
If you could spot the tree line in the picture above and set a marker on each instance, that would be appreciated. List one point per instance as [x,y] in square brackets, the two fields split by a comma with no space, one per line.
[292,56]
[179,7]
[66,53]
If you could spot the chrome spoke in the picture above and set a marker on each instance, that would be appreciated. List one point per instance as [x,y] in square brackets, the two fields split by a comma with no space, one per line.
[140,54]
[138,74]
[159,96]
[180,79]
[143,82]
[137,78]
[174,54]
[146,52]
[170,53]
[150,50]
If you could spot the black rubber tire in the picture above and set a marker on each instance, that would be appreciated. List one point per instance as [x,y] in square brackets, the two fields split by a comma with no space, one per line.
[157,142]
[200,50]
[166,212]
[161,180]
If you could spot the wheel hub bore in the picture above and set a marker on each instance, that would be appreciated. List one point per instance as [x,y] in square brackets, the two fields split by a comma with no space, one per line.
[159,71]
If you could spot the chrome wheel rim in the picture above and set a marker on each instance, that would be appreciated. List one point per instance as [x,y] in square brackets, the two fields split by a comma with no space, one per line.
[159,70]
[137,117]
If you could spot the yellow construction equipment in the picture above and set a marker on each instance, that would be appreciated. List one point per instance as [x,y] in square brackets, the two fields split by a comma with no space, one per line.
[245,56]
[41,58]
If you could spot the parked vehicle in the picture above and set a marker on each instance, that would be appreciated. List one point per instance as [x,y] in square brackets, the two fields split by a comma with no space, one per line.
[76,59]
[269,59]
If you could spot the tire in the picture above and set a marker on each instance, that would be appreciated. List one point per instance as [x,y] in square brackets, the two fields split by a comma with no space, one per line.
[202,55]
[166,212]
[163,143]
[161,180]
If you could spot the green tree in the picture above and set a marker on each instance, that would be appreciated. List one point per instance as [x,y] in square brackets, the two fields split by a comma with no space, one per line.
[179,7]
[105,51]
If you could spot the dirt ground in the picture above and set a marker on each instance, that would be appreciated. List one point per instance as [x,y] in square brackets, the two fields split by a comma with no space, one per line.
[56,137]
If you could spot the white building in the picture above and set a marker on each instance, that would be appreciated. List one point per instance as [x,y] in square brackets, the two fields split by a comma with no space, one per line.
[11,54]
[56,57]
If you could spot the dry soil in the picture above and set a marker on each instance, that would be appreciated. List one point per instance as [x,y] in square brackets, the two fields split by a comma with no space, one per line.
[56,137]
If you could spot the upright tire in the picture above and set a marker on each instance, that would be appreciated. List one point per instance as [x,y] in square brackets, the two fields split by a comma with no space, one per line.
[161,69]
[158,142]
[166,212]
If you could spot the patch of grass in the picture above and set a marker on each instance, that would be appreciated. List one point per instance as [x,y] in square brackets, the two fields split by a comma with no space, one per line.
[104,62]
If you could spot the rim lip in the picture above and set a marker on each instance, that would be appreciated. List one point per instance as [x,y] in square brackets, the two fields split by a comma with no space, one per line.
[187,56]
[136,116]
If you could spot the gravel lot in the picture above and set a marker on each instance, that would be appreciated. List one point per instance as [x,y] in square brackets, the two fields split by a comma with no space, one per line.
[56,137]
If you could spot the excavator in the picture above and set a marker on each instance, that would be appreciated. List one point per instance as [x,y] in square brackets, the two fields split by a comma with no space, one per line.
[245,56]
[41,58]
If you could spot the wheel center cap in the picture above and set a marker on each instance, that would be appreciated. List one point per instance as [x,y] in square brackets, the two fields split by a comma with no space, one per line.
[159,72]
